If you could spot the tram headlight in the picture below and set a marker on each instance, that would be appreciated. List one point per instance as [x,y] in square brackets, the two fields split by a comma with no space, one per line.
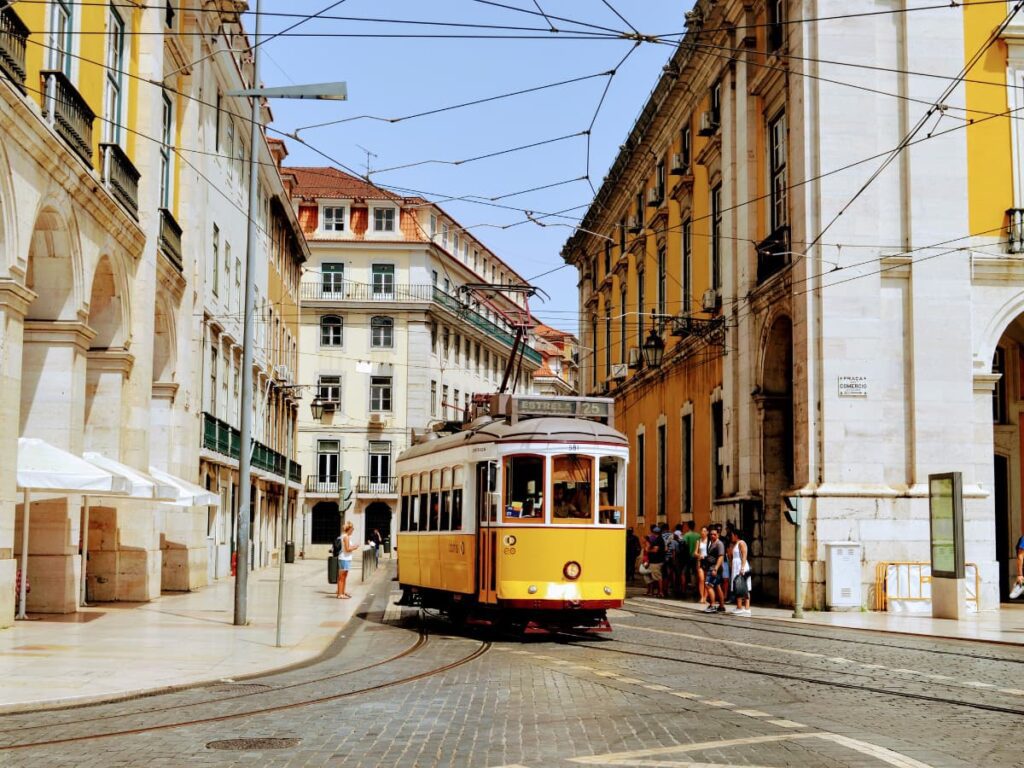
[607,590]
[532,589]
[572,570]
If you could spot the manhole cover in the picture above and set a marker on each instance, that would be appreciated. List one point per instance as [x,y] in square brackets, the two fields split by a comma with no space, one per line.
[239,688]
[253,744]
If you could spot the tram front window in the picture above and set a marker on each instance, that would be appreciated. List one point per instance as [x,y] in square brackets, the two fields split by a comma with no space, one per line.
[572,492]
[611,507]
[524,489]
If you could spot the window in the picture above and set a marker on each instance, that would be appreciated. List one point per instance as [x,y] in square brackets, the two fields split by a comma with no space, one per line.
[380,466]
[166,143]
[716,104]
[238,283]
[332,278]
[433,399]
[447,286]
[640,208]
[227,270]
[776,24]
[622,236]
[229,142]
[169,14]
[446,509]
[611,499]
[382,332]
[572,489]
[433,226]
[444,402]
[383,280]
[383,219]
[662,281]
[662,470]
[593,353]
[455,244]
[717,442]
[659,180]
[458,348]
[328,389]
[524,488]
[686,265]
[433,277]
[380,393]
[215,286]
[444,235]
[999,391]
[61,30]
[476,351]
[327,459]
[607,257]
[716,236]
[455,405]
[622,323]
[445,341]
[333,219]
[457,482]
[685,147]
[640,475]
[214,362]
[640,302]
[686,466]
[331,331]
[114,77]
[608,341]
[433,337]
[434,522]
[779,176]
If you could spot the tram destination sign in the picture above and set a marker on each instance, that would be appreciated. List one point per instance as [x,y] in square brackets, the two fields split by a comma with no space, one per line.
[516,407]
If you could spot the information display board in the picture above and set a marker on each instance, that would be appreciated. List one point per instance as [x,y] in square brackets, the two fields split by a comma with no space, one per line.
[946,520]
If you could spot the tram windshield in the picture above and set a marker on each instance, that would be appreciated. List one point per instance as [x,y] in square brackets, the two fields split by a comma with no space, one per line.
[524,488]
[572,483]
[611,500]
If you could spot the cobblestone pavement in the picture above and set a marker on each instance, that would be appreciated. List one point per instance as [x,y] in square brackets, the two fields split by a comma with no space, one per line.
[666,688]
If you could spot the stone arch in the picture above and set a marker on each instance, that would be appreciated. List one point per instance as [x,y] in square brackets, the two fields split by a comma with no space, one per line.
[997,325]
[164,342]
[108,306]
[325,525]
[54,268]
[10,254]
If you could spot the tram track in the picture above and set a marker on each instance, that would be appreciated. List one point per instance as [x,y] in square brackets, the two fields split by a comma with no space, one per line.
[421,641]
[668,611]
[703,660]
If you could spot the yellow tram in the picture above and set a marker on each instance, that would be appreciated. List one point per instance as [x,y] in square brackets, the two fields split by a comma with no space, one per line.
[519,518]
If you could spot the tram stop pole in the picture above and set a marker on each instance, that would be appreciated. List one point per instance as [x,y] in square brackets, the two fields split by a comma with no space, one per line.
[792,508]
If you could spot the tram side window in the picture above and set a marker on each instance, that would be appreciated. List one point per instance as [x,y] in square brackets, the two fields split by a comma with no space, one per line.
[446,515]
[524,488]
[611,507]
[457,481]
[572,491]
[403,524]
[414,497]
[424,503]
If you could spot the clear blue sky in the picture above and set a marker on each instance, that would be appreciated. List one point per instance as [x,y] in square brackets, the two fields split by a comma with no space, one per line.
[394,77]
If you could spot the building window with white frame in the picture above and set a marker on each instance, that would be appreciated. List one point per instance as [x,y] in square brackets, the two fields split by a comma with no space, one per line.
[215,283]
[61,31]
[433,227]
[383,219]
[380,393]
[328,389]
[332,329]
[716,237]
[662,281]
[444,235]
[685,268]
[383,281]
[114,77]
[433,399]
[214,363]
[622,324]
[779,175]
[686,468]
[332,278]
[382,332]
[166,150]
[333,218]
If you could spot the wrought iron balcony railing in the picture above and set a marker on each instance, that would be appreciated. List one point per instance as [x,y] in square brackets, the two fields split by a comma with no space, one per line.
[370,484]
[170,239]
[68,113]
[220,437]
[13,34]
[120,176]
[773,254]
[349,291]
[326,484]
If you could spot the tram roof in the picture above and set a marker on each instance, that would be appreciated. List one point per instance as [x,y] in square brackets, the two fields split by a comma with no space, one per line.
[524,431]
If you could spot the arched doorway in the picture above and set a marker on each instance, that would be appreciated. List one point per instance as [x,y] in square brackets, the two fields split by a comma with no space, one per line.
[378,517]
[108,363]
[1008,456]
[774,400]
[325,525]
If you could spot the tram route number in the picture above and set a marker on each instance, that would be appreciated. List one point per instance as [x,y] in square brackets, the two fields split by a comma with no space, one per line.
[510,544]
[456,547]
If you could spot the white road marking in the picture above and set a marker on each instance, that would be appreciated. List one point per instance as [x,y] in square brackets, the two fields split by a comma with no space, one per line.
[631,680]
[1014,691]
[656,687]
[686,695]
[786,723]
[719,703]
[752,713]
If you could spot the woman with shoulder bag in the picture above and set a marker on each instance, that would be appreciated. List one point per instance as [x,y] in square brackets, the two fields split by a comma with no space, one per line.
[740,575]
[345,559]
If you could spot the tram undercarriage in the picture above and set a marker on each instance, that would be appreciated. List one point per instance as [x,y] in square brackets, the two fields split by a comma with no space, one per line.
[527,617]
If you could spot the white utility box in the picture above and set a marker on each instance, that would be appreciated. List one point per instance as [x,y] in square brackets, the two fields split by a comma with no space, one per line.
[842,575]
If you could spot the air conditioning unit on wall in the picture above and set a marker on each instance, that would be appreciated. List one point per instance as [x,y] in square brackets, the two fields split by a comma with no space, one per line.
[711,300]
[619,372]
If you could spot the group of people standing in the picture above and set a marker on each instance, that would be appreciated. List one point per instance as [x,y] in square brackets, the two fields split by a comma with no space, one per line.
[713,561]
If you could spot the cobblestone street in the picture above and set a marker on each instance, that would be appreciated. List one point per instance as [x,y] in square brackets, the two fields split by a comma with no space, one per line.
[667,687]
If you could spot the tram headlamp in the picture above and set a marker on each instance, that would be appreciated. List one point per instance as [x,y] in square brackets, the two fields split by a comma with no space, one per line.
[572,570]
[532,589]
[607,590]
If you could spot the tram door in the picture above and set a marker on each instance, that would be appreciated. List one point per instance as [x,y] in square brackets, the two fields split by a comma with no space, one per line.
[487,536]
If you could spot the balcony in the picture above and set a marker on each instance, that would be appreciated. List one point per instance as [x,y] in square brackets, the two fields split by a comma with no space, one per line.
[773,254]
[376,486]
[67,112]
[1015,230]
[170,239]
[323,484]
[13,34]
[220,437]
[481,323]
[361,292]
[121,177]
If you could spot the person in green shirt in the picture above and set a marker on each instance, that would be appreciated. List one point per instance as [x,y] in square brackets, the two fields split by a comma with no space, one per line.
[689,562]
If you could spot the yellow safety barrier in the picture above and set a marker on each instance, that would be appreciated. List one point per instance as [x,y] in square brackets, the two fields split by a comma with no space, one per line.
[911,582]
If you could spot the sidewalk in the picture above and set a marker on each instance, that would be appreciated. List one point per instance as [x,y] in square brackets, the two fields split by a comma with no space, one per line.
[118,649]
[1003,626]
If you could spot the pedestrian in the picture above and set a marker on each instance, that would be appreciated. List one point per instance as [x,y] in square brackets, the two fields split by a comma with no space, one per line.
[741,574]
[633,550]
[689,552]
[654,549]
[726,574]
[343,548]
[713,562]
[701,554]
[670,571]
[376,539]
[1018,587]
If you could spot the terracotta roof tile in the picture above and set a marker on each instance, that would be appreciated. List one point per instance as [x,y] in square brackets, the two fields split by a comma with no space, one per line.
[330,182]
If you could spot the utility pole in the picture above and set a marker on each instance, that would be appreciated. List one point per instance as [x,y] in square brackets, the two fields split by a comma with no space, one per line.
[245,438]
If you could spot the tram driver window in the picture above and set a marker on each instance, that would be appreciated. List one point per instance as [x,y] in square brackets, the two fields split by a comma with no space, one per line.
[524,488]
[611,498]
[572,489]
[457,499]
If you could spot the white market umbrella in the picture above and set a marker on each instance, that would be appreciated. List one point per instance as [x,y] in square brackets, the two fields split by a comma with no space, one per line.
[187,494]
[45,467]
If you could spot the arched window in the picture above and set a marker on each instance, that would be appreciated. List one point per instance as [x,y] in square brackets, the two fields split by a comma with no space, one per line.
[331,327]
[382,332]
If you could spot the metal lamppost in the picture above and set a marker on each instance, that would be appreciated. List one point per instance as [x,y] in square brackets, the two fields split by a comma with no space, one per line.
[654,349]
[333,91]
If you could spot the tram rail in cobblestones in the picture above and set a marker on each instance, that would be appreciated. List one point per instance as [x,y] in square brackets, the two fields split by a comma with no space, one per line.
[421,641]
[771,627]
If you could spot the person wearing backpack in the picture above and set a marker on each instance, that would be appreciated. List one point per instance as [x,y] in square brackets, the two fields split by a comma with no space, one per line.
[1018,587]
[741,574]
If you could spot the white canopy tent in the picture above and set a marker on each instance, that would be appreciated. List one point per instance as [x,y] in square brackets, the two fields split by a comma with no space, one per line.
[44,467]
[187,494]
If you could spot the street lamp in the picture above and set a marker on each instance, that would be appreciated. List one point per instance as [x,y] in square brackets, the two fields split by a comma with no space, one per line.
[331,91]
[317,408]
[654,350]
